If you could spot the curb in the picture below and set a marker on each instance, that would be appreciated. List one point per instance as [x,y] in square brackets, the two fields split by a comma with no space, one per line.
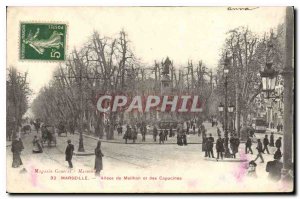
[116,142]
[83,153]
[225,160]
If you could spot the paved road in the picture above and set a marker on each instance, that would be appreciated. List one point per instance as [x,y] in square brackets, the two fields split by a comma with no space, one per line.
[128,159]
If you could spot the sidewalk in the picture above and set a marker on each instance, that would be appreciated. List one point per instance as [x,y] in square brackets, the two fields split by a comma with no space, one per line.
[149,139]
[191,138]
[274,131]
[187,162]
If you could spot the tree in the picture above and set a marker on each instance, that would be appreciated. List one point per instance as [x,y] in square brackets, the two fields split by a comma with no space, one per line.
[102,66]
[16,100]
[249,54]
[105,65]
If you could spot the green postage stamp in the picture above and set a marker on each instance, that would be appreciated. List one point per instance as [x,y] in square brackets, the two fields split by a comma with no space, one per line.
[43,41]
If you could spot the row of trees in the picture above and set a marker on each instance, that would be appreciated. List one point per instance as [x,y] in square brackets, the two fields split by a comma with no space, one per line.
[17,95]
[248,54]
[107,66]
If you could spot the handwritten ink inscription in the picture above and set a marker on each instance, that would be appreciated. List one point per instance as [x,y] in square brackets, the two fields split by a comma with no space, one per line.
[242,8]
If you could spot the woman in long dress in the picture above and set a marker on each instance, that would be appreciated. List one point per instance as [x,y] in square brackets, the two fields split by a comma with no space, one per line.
[37,147]
[16,148]
[98,159]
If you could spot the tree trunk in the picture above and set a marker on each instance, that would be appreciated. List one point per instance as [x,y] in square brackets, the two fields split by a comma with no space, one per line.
[238,110]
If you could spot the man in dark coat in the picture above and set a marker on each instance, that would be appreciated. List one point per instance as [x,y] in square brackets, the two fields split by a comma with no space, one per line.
[218,131]
[220,147]
[69,153]
[119,129]
[210,145]
[251,131]
[237,142]
[203,130]
[278,143]
[266,143]
[154,133]
[199,131]
[161,137]
[226,148]
[184,140]
[134,133]
[143,132]
[271,125]
[204,144]
[37,125]
[259,149]
[232,146]
[248,145]
[179,139]
[166,135]
[271,139]
[235,145]
[274,167]
[171,132]
[127,134]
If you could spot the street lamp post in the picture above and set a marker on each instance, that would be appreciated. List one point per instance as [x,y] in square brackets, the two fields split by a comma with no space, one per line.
[221,109]
[81,146]
[269,116]
[231,111]
[269,81]
[268,77]
[226,71]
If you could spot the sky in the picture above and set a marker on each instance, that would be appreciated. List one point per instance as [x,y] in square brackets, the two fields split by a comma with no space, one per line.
[182,33]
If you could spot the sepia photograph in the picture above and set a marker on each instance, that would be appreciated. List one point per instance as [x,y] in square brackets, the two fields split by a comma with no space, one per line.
[150,99]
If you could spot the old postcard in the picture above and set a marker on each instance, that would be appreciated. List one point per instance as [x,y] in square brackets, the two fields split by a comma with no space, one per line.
[150,100]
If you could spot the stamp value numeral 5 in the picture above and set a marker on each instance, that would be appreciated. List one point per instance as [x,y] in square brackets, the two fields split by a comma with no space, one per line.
[55,54]
[42,41]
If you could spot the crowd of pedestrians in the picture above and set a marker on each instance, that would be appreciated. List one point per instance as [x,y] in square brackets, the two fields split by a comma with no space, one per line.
[226,145]
[228,148]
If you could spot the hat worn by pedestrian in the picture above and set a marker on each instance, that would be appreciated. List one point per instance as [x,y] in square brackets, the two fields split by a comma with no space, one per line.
[252,163]
[277,155]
